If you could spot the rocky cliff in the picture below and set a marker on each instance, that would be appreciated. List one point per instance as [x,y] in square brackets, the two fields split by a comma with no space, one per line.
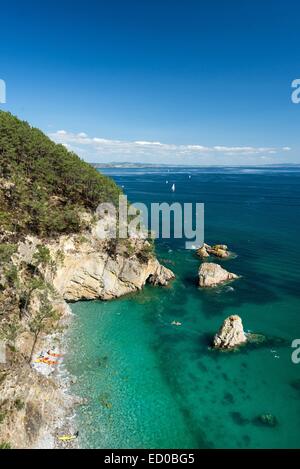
[87,267]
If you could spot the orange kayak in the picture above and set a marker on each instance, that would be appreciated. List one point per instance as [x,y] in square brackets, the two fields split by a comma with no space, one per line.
[46,361]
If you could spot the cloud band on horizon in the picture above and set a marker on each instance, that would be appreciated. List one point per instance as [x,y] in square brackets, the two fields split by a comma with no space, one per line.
[96,149]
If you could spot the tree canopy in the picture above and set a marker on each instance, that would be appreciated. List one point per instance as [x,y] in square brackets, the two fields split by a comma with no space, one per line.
[43,186]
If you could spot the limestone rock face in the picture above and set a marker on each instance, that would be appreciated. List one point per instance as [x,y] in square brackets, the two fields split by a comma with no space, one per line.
[88,267]
[95,274]
[211,275]
[231,334]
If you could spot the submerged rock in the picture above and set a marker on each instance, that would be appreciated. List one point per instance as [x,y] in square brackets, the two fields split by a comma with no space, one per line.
[211,275]
[231,334]
[295,384]
[238,418]
[104,401]
[256,339]
[268,420]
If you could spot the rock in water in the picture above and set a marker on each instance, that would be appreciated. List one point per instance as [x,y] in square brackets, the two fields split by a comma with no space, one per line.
[231,334]
[224,247]
[211,275]
[268,420]
[161,276]
[202,252]
[218,250]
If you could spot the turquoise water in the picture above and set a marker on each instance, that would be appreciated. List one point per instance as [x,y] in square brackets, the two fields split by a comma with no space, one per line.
[153,385]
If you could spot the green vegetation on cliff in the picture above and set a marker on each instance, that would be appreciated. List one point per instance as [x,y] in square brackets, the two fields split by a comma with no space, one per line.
[43,186]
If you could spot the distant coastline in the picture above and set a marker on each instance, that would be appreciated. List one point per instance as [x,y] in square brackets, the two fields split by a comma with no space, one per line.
[127,164]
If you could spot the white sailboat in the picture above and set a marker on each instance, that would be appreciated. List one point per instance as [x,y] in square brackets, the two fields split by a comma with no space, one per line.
[173,188]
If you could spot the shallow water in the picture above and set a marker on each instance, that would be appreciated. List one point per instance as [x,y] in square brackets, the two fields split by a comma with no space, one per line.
[153,385]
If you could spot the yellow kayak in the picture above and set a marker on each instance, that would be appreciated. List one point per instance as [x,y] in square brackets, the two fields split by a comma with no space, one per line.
[67,438]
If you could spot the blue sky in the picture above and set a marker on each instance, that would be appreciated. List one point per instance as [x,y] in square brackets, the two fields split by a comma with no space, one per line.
[188,82]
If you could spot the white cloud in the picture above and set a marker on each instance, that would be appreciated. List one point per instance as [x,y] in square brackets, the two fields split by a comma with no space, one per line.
[148,143]
[96,149]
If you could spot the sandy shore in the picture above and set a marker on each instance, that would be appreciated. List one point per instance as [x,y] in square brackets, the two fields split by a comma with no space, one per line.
[53,348]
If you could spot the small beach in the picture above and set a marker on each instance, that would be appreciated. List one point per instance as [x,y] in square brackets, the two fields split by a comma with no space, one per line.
[49,361]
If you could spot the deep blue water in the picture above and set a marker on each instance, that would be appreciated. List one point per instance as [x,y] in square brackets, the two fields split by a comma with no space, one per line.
[153,385]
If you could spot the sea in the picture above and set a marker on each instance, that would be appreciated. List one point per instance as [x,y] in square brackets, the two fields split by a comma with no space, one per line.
[151,384]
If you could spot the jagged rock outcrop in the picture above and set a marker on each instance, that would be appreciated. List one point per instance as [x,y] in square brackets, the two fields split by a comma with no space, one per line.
[211,275]
[87,267]
[95,274]
[231,334]
[218,250]
[161,276]
[202,252]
